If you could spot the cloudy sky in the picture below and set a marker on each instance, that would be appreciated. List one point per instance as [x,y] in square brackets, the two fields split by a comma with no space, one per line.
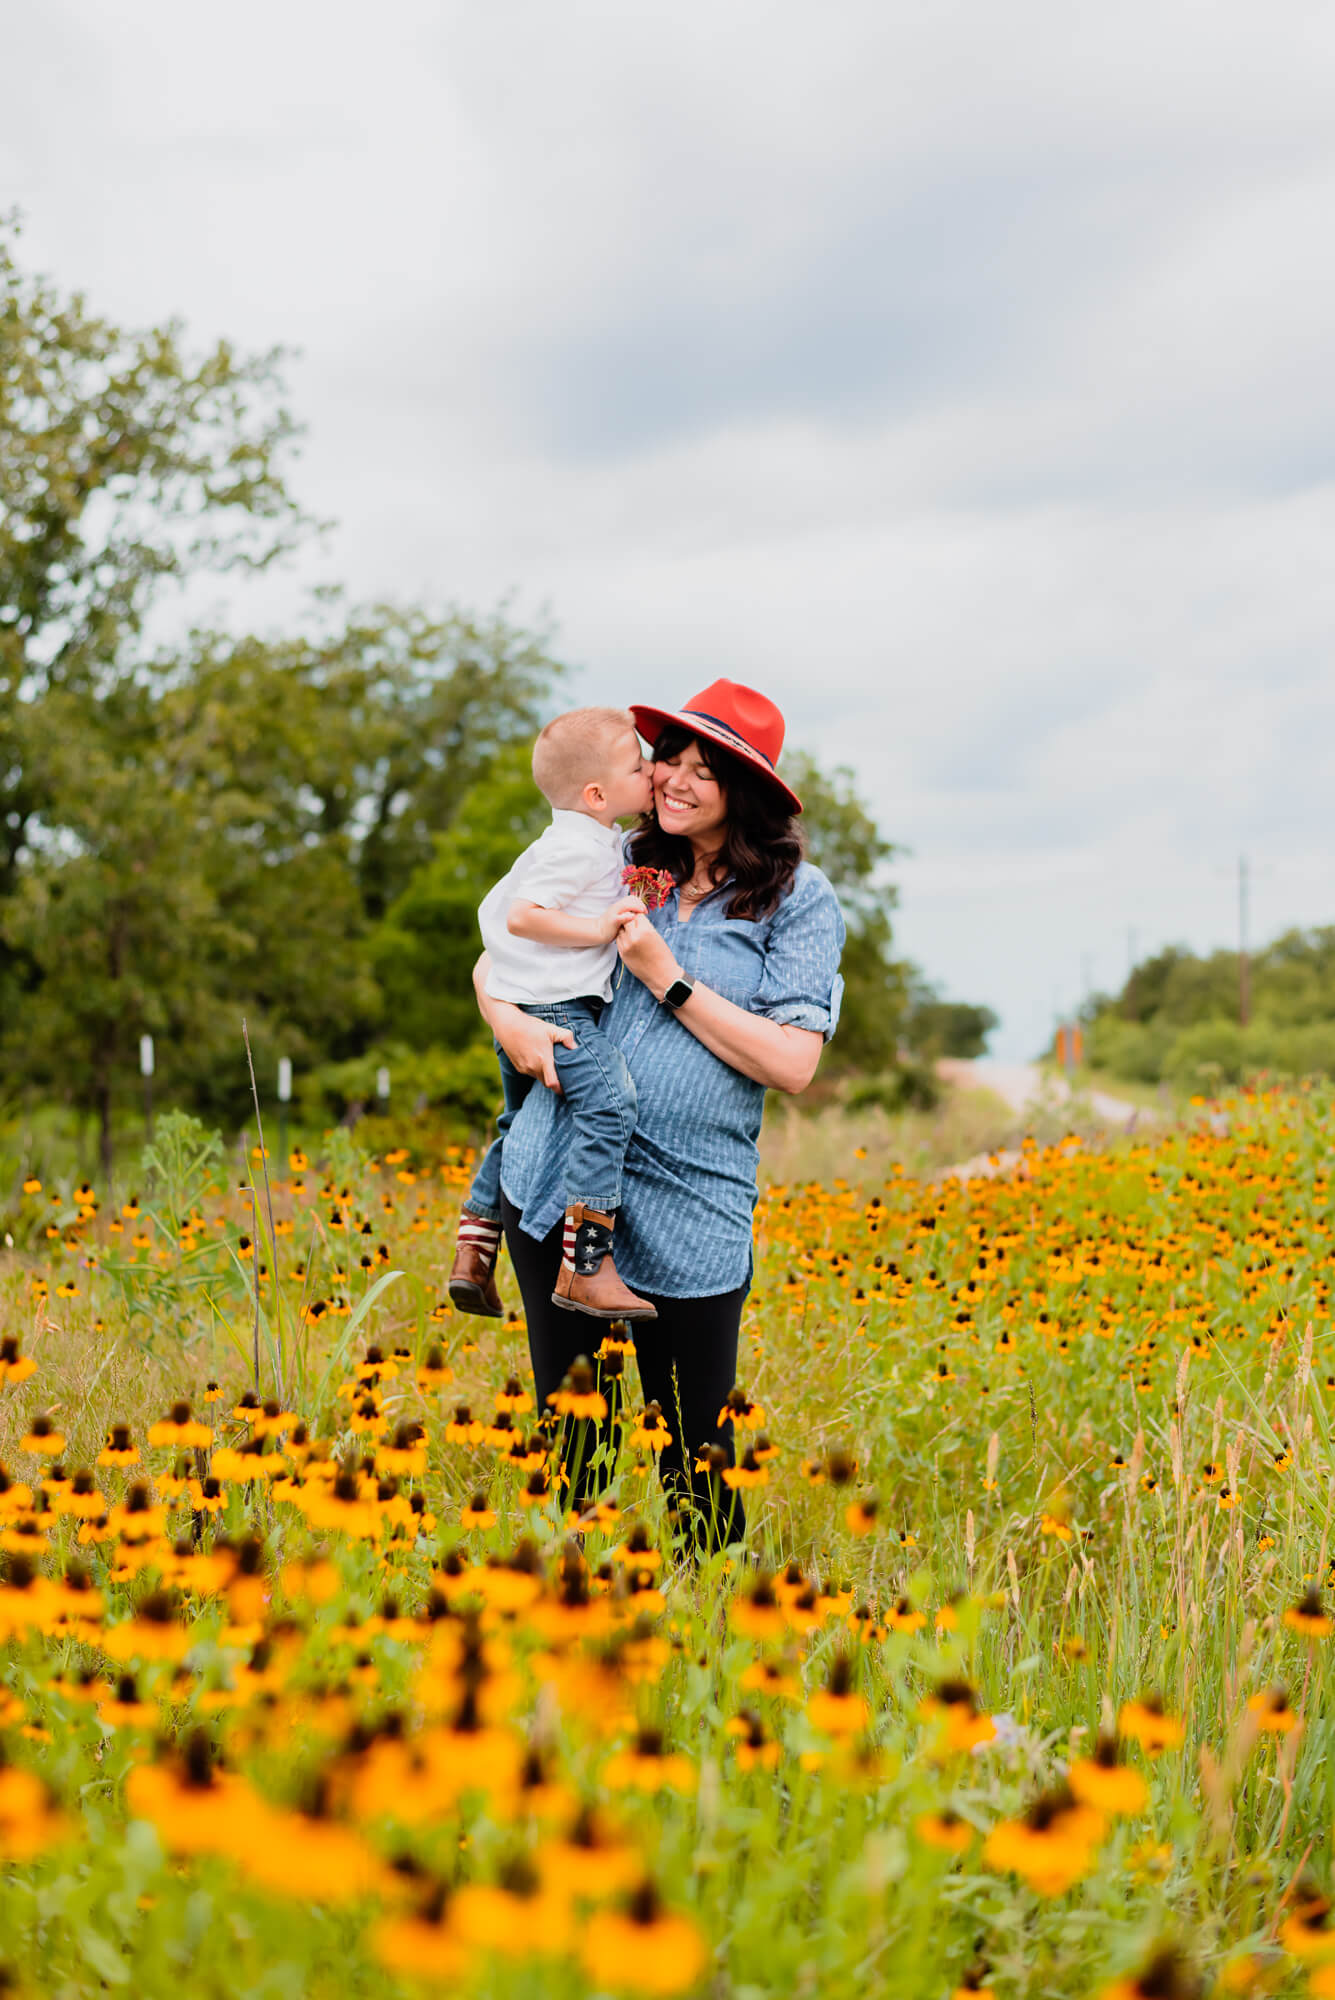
[961,375]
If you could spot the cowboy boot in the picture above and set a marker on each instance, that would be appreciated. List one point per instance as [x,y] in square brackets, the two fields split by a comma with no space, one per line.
[473,1279]
[588,1280]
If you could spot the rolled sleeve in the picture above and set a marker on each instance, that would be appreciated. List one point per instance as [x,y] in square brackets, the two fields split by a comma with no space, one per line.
[801,987]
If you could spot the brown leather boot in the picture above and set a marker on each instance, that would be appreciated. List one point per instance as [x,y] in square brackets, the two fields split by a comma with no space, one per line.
[588,1281]
[473,1278]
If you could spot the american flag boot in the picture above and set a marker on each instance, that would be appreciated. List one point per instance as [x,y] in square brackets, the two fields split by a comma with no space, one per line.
[588,1281]
[473,1278]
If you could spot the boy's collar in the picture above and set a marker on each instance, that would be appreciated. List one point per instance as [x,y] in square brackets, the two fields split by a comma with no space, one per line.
[563,816]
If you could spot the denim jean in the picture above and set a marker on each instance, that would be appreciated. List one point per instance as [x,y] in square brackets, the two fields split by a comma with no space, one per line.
[597,1088]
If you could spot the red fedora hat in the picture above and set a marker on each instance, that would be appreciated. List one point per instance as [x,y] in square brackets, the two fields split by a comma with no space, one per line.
[737,718]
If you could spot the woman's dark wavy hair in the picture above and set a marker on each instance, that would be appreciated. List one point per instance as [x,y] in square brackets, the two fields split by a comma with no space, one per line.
[762,842]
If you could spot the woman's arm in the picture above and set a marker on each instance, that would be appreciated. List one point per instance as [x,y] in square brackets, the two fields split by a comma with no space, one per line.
[527,1042]
[770,1052]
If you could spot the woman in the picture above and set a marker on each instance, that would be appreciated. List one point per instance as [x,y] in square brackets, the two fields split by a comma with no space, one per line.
[735,988]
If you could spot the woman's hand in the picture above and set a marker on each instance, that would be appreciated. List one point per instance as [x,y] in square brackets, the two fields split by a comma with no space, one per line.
[528,1042]
[648,955]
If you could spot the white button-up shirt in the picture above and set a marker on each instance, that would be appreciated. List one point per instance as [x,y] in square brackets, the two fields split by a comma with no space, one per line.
[575,866]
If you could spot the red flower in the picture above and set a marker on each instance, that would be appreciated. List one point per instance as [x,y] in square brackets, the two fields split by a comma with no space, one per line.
[653,886]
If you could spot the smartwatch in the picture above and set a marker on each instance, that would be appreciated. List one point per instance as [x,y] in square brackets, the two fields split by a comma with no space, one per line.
[678,993]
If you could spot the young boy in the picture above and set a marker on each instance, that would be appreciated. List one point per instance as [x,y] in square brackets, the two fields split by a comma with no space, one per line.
[550,928]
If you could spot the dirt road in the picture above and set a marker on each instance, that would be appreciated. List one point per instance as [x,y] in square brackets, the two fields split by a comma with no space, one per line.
[1025,1085]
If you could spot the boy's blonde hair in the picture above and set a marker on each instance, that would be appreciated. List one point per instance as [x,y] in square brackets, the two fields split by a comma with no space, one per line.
[573,751]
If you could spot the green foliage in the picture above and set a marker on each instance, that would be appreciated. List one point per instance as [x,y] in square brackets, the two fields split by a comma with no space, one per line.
[178,1166]
[462,1084]
[1176,1019]
[938,1027]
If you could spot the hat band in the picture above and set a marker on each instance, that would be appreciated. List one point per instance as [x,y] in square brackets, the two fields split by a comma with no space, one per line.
[726,729]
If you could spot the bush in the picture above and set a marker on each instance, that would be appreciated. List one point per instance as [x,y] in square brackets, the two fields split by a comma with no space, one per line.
[460,1086]
[1132,1049]
[1209,1054]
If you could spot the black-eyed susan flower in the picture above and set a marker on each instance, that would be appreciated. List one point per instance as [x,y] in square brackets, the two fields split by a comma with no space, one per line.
[434,1372]
[1309,1616]
[754,1748]
[1272,1713]
[592,1858]
[1107,1784]
[644,1948]
[579,1395]
[517,1916]
[1308,1933]
[272,1420]
[30,1820]
[739,1411]
[422,1945]
[179,1430]
[860,1515]
[957,1722]
[1145,1722]
[757,1612]
[647,1765]
[748,1471]
[404,1457]
[973,1983]
[82,1498]
[838,1709]
[649,1431]
[1165,1975]
[944,1830]
[1051,1847]
[15,1366]
[513,1397]
[120,1447]
[464,1427]
[43,1440]
[196,1807]
[478,1513]
[770,1677]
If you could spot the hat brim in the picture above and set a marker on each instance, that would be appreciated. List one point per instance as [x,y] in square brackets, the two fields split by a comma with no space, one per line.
[652,721]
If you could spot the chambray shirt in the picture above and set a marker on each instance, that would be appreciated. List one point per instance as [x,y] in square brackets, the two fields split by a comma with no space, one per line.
[689,1193]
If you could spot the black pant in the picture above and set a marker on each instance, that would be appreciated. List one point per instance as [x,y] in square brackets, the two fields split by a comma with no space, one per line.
[688,1362]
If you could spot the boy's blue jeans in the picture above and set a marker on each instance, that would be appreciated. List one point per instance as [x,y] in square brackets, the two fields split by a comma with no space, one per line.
[597,1086]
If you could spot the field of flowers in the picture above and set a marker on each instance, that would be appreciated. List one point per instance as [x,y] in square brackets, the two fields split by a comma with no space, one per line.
[311,1683]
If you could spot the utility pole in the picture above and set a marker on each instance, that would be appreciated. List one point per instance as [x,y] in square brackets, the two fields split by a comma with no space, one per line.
[1244,958]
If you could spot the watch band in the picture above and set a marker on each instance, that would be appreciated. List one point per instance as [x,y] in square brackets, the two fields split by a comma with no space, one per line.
[678,993]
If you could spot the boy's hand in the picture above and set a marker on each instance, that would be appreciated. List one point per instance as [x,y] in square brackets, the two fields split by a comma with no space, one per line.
[611,921]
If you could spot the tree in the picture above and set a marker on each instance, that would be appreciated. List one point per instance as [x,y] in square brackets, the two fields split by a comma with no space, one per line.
[121,927]
[425,950]
[937,1027]
[125,464]
[844,840]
